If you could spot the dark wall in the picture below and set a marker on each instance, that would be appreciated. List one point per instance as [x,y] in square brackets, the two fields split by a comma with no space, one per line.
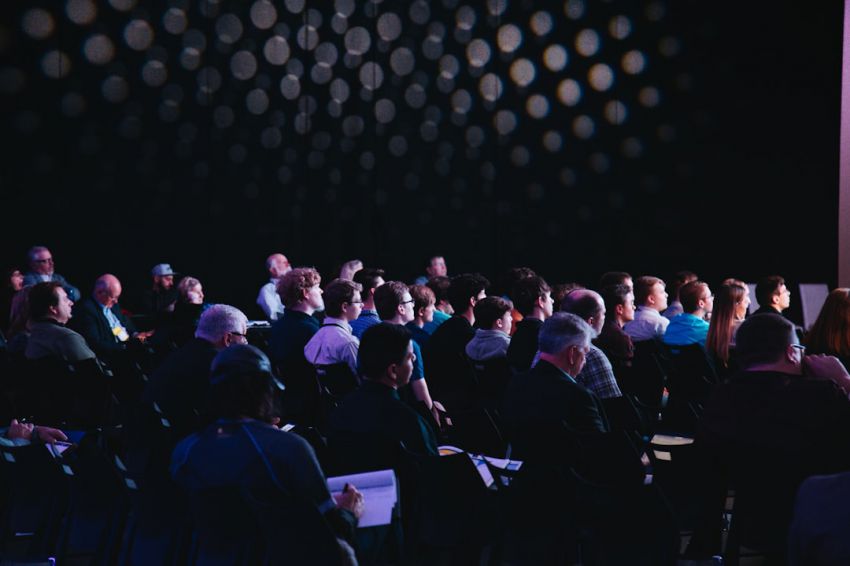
[140,132]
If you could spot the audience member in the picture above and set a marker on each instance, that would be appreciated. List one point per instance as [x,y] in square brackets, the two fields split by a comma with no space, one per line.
[560,291]
[493,334]
[161,298]
[533,298]
[730,307]
[19,316]
[619,310]
[442,307]
[349,268]
[50,310]
[13,281]
[680,279]
[268,300]
[448,343]
[690,327]
[597,374]
[423,313]
[386,363]
[507,284]
[830,333]
[334,343]
[301,295]
[19,434]
[370,279]
[820,530]
[41,271]
[772,295]
[436,268]
[651,300]
[615,278]
[190,305]
[100,320]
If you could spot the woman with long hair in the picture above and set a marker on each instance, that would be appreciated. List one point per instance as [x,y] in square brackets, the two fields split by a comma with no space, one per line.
[830,333]
[730,308]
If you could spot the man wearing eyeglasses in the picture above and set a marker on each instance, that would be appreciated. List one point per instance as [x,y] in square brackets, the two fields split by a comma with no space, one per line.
[334,343]
[690,327]
[41,271]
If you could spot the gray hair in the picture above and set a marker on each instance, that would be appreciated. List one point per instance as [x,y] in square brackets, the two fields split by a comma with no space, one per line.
[562,330]
[218,320]
[34,250]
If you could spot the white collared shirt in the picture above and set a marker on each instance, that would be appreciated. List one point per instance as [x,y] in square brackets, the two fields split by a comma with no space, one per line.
[332,344]
[647,325]
[269,300]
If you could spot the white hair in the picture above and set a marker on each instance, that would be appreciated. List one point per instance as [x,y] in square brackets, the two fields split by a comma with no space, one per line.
[562,330]
[218,320]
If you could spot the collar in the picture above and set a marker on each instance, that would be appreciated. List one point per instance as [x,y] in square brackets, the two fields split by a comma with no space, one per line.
[331,321]
[543,364]
[377,387]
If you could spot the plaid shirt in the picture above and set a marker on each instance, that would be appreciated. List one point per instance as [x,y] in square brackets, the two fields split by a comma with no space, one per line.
[598,376]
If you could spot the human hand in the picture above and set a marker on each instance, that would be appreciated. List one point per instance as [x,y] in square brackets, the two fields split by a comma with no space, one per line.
[822,366]
[18,430]
[440,414]
[143,336]
[351,500]
[49,435]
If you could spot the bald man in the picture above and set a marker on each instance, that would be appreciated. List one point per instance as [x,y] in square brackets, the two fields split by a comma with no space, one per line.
[277,265]
[100,320]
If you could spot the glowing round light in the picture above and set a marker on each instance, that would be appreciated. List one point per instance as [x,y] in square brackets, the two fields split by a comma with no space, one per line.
[371,75]
[196,39]
[490,87]
[449,66]
[520,156]
[123,5]
[574,9]
[509,38]
[601,77]
[339,90]
[321,73]
[290,87]
[616,112]
[389,26]
[497,7]
[649,96]
[478,52]
[38,23]
[398,146]
[420,12]
[415,96]
[552,141]
[428,131]
[263,14]
[461,101]
[402,61]
[555,58]
[432,47]
[357,41]
[583,127]
[344,7]
[522,72]
[465,18]
[243,65]
[257,101]
[353,126]
[138,34]
[541,23]
[154,73]
[228,28]
[326,54]
[98,49]
[81,12]
[537,106]
[633,62]
[384,111]
[339,24]
[307,37]
[190,58]
[587,42]
[620,27]
[209,80]
[276,50]
[505,122]
[295,6]
[474,136]
[295,67]
[115,89]
[55,64]
[668,46]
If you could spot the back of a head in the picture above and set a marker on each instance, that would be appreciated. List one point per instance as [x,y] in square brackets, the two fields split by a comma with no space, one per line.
[337,293]
[292,285]
[613,296]
[490,309]
[830,333]
[511,277]
[614,278]
[382,345]
[643,288]
[562,330]
[440,285]
[388,297]
[219,320]
[680,279]
[422,296]
[42,296]
[767,287]
[241,383]
[582,302]
[561,290]
[368,277]
[526,291]
[464,287]
[690,295]
[763,338]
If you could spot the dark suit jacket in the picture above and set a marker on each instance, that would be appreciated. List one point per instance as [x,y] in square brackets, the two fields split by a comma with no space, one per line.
[523,346]
[90,321]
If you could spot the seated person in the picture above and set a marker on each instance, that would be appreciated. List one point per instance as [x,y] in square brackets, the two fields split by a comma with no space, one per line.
[41,271]
[442,307]
[651,301]
[245,448]
[619,310]
[690,327]
[268,300]
[50,310]
[369,279]
[492,337]
[533,298]
[24,433]
[100,320]
[334,343]
[424,302]
[159,300]
[386,364]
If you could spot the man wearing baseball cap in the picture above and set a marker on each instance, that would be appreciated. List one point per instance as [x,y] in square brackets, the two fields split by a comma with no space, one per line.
[162,296]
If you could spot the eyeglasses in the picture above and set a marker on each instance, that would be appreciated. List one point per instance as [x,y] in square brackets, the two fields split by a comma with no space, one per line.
[405,302]
[245,336]
[799,347]
[355,302]
[45,260]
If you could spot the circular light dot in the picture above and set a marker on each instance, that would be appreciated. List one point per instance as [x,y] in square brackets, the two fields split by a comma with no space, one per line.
[398,146]
[174,21]
[55,64]
[73,104]
[465,18]
[633,62]
[474,136]
[326,54]
[344,7]
[522,72]
[615,112]
[497,7]
[449,66]
[587,42]
[419,12]
[295,6]
[389,26]
[541,23]
[520,156]
[478,52]
[505,122]
[537,106]
[38,23]
[307,37]
[98,49]
[509,38]
[583,127]
[555,58]
[371,75]
[321,73]
[123,5]
[649,96]
[190,58]
[668,46]
[339,90]
[138,34]
[432,47]
[600,76]
[402,61]
[243,65]
[228,28]
[290,87]
[209,80]
[490,87]
[276,50]
[574,9]
[114,89]
[257,101]
[384,111]
[461,101]
[81,12]
[415,96]
[195,38]
[620,27]
[357,41]
[428,131]
[154,73]
[552,141]
[353,126]
[295,67]
[263,14]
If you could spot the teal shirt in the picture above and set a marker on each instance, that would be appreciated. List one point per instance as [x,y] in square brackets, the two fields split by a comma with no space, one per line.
[686,329]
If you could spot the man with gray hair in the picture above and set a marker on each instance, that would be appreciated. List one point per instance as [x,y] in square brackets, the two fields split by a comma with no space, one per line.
[277,265]
[548,394]
[179,386]
[41,271]
[597,375]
